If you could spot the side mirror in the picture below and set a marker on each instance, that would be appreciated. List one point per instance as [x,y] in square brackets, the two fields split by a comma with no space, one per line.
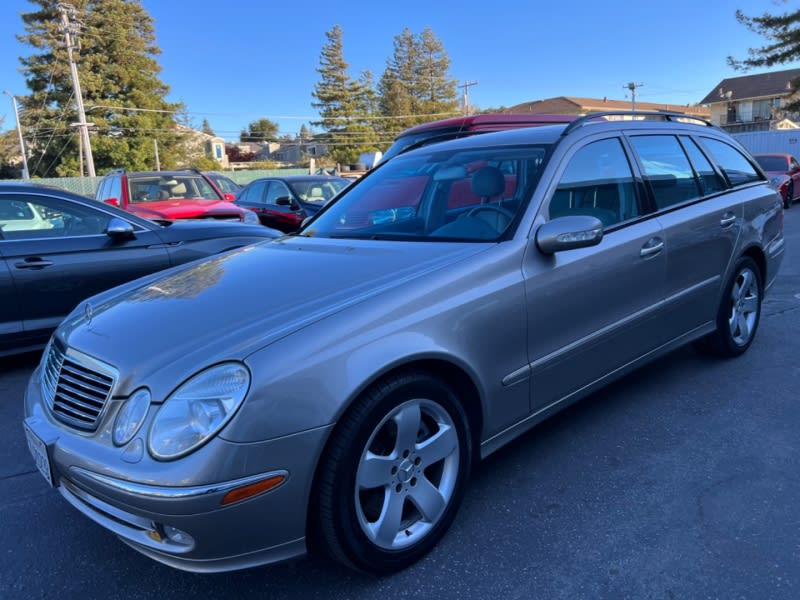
[229,197]
[283,201]
[112,201]
[118,229]
[568,233]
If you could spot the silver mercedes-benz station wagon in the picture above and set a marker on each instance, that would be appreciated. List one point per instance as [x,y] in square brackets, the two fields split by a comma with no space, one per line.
[333,389]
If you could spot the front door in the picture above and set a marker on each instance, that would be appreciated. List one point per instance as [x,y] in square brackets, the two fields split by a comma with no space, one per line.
[591,311]
[61,255]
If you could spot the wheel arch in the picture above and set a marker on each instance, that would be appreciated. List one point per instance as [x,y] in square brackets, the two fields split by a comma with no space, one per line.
[463,385]
[758,256]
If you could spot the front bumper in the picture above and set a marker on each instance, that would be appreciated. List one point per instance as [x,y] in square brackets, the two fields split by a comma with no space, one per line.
[173,511]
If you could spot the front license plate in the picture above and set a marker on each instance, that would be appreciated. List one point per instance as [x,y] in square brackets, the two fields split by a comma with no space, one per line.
[38,450]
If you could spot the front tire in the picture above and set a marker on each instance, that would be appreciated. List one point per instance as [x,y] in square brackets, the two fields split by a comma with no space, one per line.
[739,312]
[787,202]
[393,474]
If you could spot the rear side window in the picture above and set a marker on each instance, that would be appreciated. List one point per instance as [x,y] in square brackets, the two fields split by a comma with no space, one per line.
[709,178]
[597,182]
[254,192]
[733,163]
[114,189]
[667,169]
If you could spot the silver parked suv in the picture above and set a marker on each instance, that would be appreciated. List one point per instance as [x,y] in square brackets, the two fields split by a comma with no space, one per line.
[335,388]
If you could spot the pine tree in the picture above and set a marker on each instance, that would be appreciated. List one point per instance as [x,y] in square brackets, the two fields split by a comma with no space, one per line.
[345,105]
[783,33]
[415,87]
[437,88]
[115,54]
[206,128]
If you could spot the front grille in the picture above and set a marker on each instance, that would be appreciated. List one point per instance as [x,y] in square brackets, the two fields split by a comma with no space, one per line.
[76,387]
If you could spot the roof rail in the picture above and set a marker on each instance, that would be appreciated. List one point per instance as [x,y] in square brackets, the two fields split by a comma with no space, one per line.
[642,115]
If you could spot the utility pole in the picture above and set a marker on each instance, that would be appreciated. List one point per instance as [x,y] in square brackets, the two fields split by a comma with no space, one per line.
[158,162]
[632,87]
[66,11]
[466,85]
[25,173]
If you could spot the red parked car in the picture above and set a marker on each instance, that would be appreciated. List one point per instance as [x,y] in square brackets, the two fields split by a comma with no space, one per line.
[783,171]
[169,195]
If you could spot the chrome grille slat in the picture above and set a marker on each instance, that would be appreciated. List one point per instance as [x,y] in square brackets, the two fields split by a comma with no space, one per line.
[78,371]
[72,414]
[76,387]
[75,400]
[74,382]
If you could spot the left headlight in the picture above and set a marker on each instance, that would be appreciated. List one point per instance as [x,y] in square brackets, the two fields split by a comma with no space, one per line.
[198,410]
[251,217]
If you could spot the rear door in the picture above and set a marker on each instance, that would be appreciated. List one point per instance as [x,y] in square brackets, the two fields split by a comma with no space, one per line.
[65,256]
[252,197]
[702,220]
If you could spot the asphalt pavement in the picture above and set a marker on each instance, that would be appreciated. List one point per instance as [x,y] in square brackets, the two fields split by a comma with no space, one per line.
[680,481]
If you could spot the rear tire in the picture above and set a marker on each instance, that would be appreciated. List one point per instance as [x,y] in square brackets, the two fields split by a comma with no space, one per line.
[739,312]
[393,474]
[787,203]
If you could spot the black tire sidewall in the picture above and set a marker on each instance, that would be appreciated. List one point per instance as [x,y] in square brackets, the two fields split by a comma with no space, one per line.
[354,434]
[725,340]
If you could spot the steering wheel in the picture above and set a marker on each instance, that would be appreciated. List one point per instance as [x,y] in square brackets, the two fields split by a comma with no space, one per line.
[506,214]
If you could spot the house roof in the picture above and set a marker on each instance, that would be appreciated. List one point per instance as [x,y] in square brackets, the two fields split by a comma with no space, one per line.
[575,105]
[775,83]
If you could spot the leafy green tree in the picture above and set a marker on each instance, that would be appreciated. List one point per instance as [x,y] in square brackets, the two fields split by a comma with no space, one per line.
[261,130]
[783,46]
[206,128]
[116,56]
[345,104]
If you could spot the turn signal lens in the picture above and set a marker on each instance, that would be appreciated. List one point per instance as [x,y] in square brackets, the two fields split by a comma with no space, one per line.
[252,489]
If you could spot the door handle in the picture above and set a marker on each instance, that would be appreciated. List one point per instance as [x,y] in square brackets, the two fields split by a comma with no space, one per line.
[33,262]
[652,247]
[727,219]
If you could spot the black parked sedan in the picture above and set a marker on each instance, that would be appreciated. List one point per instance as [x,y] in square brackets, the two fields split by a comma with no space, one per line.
[283,202]
[57,248]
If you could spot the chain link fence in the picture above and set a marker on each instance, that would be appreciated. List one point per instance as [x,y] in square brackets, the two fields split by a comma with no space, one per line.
[86,186]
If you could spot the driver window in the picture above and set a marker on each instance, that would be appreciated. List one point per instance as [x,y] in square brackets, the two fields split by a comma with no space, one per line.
[598,182]
[28,217]
[277,189]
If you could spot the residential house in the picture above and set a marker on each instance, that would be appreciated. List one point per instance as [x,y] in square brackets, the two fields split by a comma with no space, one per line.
[753,102]
[569,105]
[197,144]
[299,149]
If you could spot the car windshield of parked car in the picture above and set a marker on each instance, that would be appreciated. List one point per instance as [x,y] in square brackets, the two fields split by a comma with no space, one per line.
[474,194]
[318,190]
[772,163]
[170,187]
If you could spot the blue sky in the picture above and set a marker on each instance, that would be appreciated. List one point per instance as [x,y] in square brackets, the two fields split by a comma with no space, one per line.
[233,62]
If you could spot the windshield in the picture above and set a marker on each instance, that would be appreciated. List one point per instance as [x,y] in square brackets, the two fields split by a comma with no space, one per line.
[467,195]
[170,187]
[772,163]
[318,190]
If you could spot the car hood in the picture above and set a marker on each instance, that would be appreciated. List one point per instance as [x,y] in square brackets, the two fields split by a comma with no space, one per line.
[230,306]
[185,209]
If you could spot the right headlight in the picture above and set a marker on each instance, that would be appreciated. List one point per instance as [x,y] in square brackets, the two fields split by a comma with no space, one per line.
[198,410]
